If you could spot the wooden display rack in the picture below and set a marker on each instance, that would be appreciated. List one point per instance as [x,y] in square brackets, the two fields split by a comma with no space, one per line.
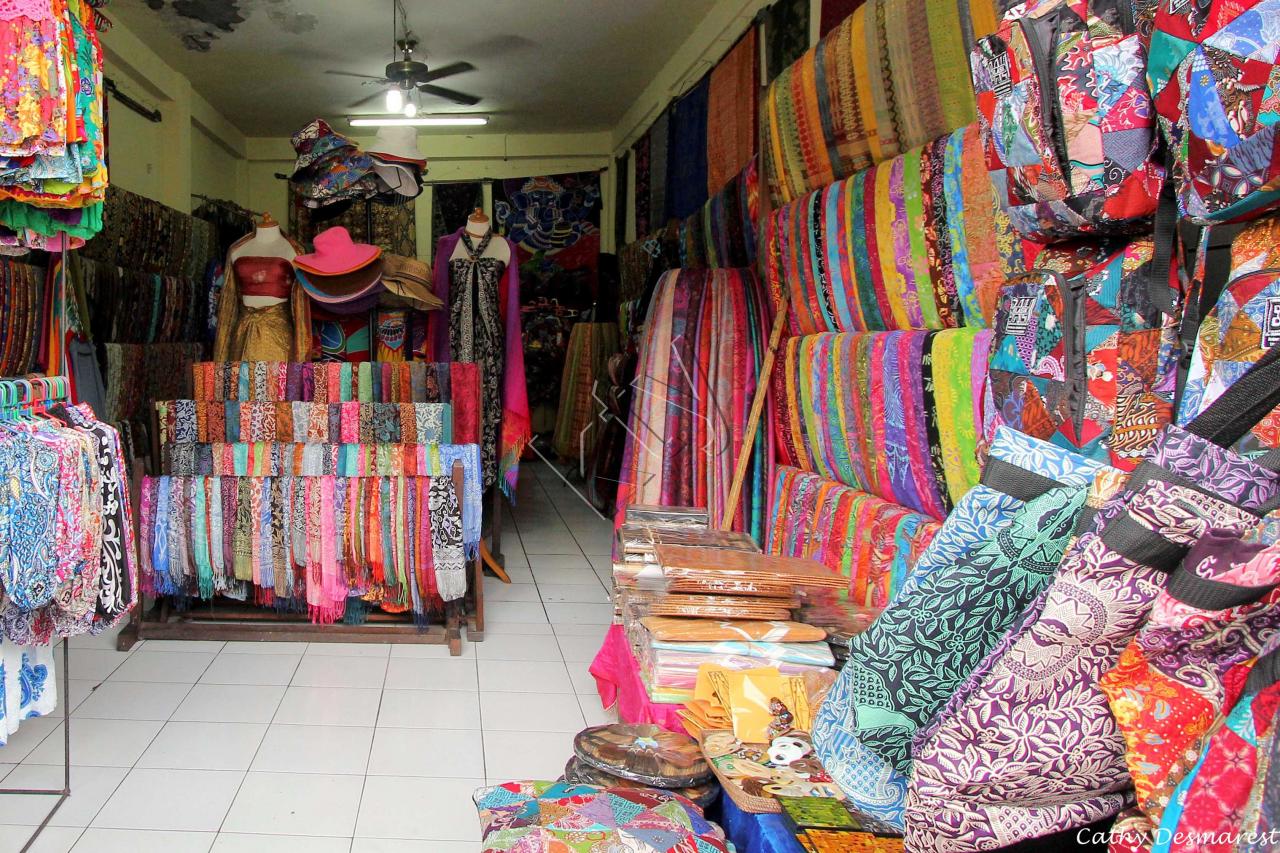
[227,620]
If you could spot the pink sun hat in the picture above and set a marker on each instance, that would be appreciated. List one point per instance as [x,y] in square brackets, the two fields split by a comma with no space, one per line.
[337,254]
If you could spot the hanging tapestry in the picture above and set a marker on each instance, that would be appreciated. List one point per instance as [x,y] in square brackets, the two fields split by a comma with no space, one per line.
[644,193]
[554,220]
[659,142]
[621,201]
[687,156]
[786,31]
[393,227]
[451,205]
[731,113]
[834,12]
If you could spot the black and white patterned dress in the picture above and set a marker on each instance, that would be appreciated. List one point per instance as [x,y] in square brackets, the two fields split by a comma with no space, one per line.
[476,334]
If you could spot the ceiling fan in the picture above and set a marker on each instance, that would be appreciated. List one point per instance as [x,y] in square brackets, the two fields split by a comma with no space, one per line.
[401,78]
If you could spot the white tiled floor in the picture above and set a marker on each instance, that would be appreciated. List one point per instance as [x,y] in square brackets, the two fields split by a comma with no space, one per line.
[326,748]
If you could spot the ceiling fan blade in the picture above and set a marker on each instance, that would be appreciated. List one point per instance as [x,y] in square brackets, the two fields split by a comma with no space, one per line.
[446,71]
[449,95]
[353,74]
[366,99]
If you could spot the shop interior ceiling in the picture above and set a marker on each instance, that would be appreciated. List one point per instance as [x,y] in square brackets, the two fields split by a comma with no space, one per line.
[542,66]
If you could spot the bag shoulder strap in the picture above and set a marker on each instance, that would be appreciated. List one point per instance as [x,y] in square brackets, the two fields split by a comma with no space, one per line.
[1243,405]
[1015,481]
[1165,244]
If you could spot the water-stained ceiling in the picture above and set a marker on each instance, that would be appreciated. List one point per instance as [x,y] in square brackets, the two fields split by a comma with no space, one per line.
[541,65]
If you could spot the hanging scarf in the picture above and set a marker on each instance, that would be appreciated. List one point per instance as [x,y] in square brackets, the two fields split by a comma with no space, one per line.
[446,539]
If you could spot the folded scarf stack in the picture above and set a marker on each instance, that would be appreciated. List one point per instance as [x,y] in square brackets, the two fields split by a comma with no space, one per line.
[699,366]
[332,382]
[917,242]
[188,421]
[896,414]
[872,542]
[892,76]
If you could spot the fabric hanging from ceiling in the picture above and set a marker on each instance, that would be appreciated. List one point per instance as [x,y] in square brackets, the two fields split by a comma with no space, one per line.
[786,33]
[554,220]
[393,230]
[451,205]
[699,361]
[731,113]
[643,191]
[621,198]
[659,143]
[687,156]
[834,12]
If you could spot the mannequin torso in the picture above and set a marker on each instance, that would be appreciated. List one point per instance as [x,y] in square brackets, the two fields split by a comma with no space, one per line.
[477,227]
[267,241]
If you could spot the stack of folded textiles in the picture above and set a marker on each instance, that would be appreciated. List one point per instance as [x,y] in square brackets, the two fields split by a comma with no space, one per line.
[672,649]
[688,596]
[731,608]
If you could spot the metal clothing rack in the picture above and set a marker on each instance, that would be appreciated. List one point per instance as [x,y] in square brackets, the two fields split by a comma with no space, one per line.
[64,792]
[50,388]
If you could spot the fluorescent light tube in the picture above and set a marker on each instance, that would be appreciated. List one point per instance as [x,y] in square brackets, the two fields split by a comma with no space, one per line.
[422,121]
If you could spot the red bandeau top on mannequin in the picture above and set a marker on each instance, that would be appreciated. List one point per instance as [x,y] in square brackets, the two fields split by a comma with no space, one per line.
[259,276]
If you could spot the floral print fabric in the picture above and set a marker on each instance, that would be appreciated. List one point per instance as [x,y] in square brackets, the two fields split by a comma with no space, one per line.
[870,781]
[1035,701]
[28,687]
[1169,685]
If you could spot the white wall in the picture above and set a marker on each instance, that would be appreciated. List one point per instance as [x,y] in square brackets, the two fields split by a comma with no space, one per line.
[192,149]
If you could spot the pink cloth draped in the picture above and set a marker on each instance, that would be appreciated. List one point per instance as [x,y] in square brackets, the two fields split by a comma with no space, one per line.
[618,682]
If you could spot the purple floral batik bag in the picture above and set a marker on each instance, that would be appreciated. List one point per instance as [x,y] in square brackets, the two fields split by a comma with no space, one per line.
[1028,745]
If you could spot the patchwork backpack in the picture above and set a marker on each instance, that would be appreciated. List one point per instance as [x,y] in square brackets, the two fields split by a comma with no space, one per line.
[1085,348]
[1208,809]
[1067,120]
[1241,286]
[1213,72]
